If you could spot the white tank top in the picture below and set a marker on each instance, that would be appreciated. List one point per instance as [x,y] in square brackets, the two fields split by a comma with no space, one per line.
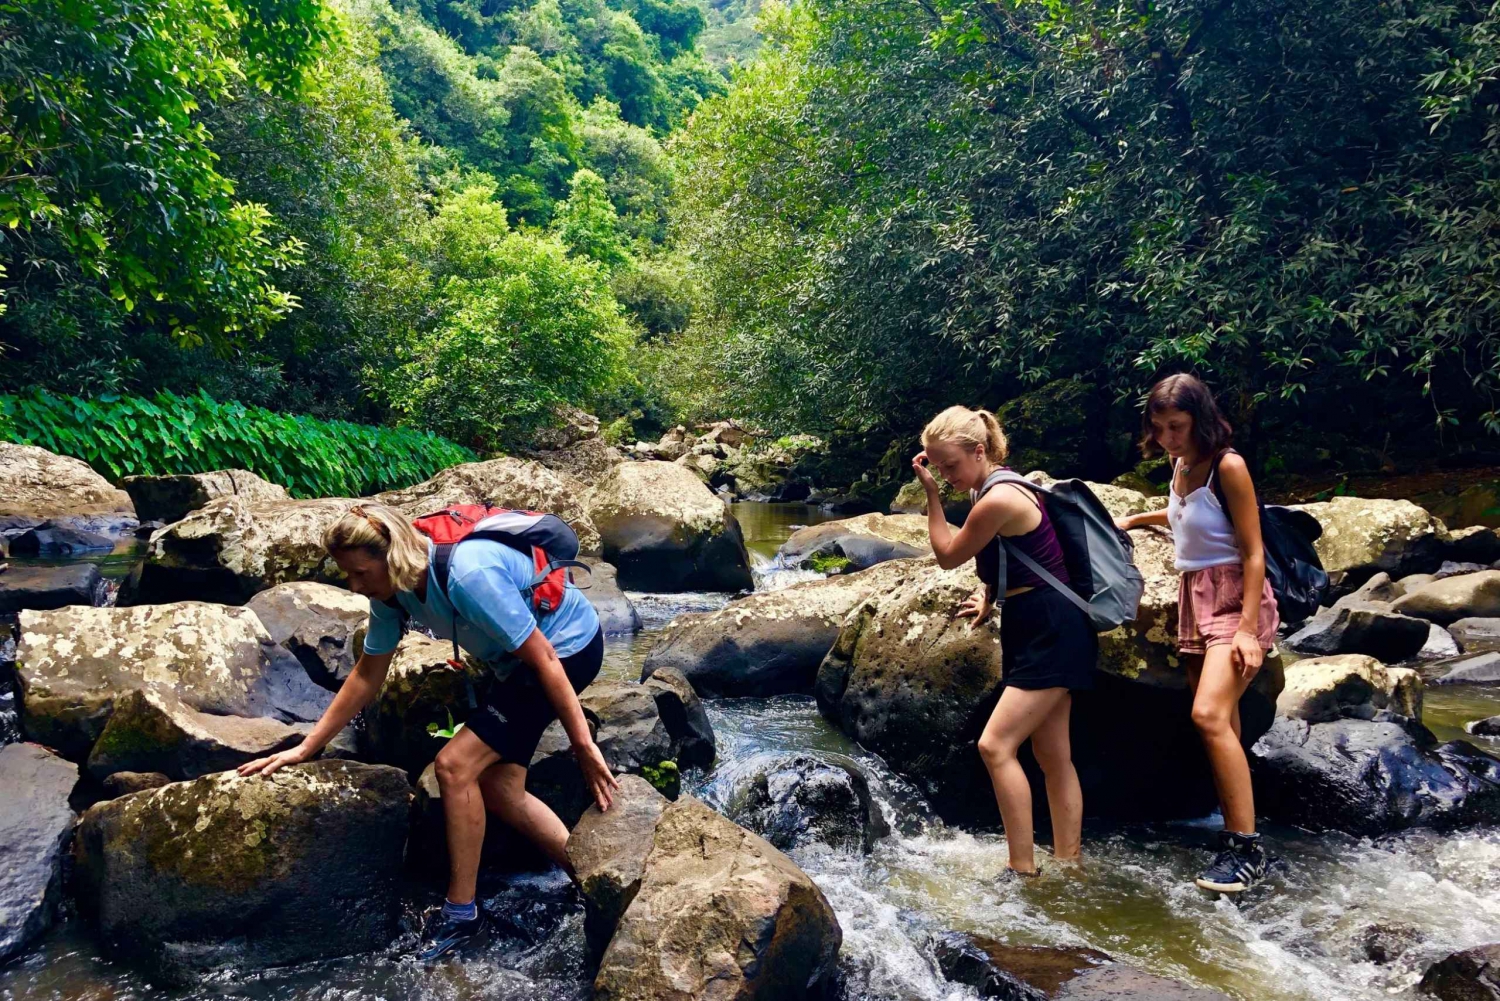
[1201,532]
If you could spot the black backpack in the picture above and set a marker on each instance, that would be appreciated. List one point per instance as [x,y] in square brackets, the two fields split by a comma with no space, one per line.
[1297,577]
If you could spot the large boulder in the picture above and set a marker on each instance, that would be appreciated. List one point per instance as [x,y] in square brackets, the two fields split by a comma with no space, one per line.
[767,643]
[507,482]
[1365,627]
[682,713]
[1348,686]
[914,683]
[1042,973]
[587,461]
[421,693]
[1362,536]
[665,531]
[719,913]
[864,540]
[44,588]
[40,485]
[1471,975]
[152,730]
[617,613]
[242,873]
[321,625]
[75,663]
[35,823]
[172,498]
[1467,596]
[912,499]
[793,800]
[608,852]
[1371,777]
[1477,635]
[629,732]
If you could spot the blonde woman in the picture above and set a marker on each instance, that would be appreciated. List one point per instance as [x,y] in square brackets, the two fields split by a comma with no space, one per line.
[540,665]
[1048,648]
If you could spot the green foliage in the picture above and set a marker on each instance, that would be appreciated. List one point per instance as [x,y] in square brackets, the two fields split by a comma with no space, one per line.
[665,777]
[521,328]
[110,198]
[827,563]
[448,732]
[120,436]
[898,207]
[587,223]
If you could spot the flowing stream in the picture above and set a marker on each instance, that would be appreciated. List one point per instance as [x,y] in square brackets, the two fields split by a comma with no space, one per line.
[1344,919]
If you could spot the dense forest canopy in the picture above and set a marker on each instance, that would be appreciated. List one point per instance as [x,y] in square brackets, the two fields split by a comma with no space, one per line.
[835,216]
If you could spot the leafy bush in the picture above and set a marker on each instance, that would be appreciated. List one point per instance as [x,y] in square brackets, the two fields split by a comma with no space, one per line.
[126,435]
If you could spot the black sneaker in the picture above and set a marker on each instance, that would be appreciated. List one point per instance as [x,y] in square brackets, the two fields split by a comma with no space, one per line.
[1240,864]
[445,934]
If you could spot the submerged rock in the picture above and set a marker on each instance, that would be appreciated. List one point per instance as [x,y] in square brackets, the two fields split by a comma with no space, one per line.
[1041,973]
[798,799]
[46,588]
[767,643]
[1471,975]
[75,662]
[56,540]
[244,873]
[1362,627]
[719,913]
[1321,689]
[172,498]
[35,824]
[1371,777]
[665,531]
[864,540]
[1449,599]
[1476,635]
[321,625]
[608,852]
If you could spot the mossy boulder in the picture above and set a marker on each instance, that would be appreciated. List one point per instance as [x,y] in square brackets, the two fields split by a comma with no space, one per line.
[225,872]
[1355,686]
[1363,536]
[664,530]
[912,499]
[1054,427]
[863,540]
[74,664]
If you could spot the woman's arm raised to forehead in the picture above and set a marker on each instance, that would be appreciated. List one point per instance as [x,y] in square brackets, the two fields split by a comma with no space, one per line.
[995,511]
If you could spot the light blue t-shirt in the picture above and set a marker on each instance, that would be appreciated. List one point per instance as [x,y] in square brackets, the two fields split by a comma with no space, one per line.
[485,581]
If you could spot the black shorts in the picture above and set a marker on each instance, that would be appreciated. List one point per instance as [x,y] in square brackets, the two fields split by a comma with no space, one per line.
[1046,642]
[511,716]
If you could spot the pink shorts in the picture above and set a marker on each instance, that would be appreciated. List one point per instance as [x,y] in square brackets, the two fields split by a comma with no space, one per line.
[1209,604]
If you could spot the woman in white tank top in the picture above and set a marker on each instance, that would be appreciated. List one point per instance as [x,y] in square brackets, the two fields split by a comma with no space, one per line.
[1226,613]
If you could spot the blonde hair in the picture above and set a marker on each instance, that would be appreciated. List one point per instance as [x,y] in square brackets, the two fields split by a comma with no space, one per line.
[385,534]
[970,428]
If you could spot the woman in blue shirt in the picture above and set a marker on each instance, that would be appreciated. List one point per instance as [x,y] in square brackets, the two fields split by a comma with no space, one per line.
[541,666]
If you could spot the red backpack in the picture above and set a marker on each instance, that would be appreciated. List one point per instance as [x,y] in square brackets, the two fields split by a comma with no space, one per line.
[546,538]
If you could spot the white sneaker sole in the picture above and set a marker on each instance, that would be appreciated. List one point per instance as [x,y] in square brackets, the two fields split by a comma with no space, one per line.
[1236,887]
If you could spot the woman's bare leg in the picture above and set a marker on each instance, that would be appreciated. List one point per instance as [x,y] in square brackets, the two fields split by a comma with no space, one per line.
[1216,700]
[1016,717]
[504,787]
[1053,748]
[458,767]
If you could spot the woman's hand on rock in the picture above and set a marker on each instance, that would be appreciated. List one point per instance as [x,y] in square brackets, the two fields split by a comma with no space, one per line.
[596,774]
[1124,524]
[976,605]
[924,475]
[269,764]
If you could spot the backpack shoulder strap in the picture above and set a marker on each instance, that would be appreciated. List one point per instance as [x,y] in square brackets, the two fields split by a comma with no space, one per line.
[1000,476]
[1042,572]
[1216,486]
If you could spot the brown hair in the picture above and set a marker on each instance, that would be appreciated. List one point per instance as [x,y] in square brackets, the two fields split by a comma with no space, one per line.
[1189,394]
[386,535]
[969,428]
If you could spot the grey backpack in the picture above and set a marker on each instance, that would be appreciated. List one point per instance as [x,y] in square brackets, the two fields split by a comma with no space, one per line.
[1105,582]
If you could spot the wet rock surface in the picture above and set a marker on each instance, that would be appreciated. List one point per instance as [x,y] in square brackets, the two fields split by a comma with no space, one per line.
[1041,973]
[242,873]
[1477,635]
[1471,975]
[1371,777]
[1481,669]
[56,540]
[800,799]
[719,913]
[46,588]
[172,498]
[617,613]
[35,825]
[321,625]
[682,713]
[608,852]
[41,485]
[864,540]
[1362,627]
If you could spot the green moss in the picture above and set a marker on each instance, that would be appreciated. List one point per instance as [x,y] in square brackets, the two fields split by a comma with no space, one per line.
[665,777]
[827,563]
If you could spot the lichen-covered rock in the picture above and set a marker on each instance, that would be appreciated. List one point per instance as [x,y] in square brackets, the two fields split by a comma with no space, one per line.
[1363,535]
[243,873]
[1449,599]
[798,799]
[74,663]
[153,731]
[1365,627]
[172,498]
[1371,777]
[629,732]
[420,690]
[321,625]
[1471,975]
[1476,635]
[1348,685]
[608,852]
[720,913]
[767,643]
[587,461]
[664,530]
[44,588]
[864,540]
[507,482]
[35,823]
[912,499]
[682,713]
[617,613]
[41,485]
[124,783]
[1042,973]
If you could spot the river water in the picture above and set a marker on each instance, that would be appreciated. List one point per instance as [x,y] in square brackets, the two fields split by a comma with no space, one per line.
[1345,919]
